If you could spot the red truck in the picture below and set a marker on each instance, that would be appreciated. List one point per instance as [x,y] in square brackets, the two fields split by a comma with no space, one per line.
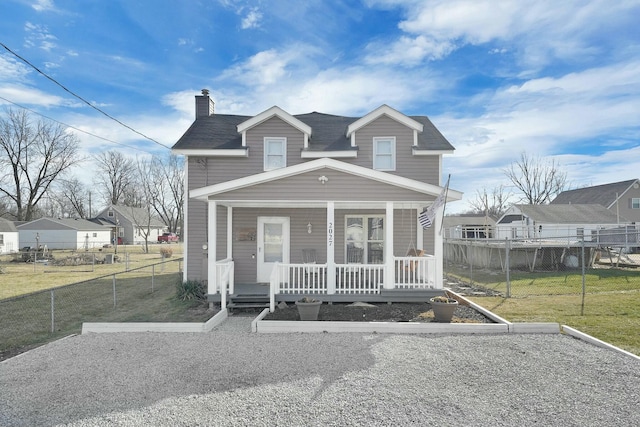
[168,238]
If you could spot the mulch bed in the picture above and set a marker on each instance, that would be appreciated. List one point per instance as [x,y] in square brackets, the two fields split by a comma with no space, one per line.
[396,312]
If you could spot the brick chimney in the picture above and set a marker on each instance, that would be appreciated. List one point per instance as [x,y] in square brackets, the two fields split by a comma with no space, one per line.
[204,104]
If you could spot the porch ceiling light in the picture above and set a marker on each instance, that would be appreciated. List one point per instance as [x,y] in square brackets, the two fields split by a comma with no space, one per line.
[323,179]
[205,247]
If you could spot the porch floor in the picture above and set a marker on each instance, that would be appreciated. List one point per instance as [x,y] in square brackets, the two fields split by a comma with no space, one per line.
[386,295]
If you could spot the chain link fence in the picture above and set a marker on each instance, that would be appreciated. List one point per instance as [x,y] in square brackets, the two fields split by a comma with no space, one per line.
[541,267]
[138,294]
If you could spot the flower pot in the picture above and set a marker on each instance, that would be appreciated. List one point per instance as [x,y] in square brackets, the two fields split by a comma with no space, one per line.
[308,310]
[443,311]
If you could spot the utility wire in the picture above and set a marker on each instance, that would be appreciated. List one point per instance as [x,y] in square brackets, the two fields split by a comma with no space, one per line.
[73,127]
[79,97]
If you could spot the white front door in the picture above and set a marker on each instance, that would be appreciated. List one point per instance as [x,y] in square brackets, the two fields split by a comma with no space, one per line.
[273,244]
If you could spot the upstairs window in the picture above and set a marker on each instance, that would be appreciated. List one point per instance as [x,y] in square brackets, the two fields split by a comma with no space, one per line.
[384,154]
[275,153]
[635,203]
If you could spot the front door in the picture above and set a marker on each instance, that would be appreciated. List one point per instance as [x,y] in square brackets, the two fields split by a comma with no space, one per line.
[273,245]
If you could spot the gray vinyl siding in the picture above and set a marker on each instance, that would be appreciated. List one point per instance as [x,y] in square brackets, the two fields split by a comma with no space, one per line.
[341,186]
[419,168]
[624,206]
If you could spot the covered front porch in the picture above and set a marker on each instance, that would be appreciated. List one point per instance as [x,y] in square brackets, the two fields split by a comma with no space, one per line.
[347,252]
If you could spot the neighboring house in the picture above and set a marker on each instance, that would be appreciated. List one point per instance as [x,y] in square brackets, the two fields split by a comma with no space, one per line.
[621,198]
[63,233]
[9,241]
[345,192]
[560,222]
[131,225]
[468,226]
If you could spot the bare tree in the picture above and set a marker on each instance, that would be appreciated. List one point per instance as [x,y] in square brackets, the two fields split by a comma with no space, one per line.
[32,157]
[167,182]
[115,177]
[492,203]
[538,180]
[74,198]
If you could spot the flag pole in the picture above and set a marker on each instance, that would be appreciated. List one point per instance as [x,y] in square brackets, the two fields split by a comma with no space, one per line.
[444,206]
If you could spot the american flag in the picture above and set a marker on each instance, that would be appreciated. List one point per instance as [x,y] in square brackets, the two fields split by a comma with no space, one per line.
[427,217]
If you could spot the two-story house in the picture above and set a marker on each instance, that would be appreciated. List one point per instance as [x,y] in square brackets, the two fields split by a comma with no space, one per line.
[312,203]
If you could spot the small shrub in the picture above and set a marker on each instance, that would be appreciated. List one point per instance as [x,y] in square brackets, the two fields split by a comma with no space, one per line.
[166,252]
[191,290]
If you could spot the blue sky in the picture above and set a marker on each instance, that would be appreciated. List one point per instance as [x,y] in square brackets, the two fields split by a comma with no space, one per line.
[557,79]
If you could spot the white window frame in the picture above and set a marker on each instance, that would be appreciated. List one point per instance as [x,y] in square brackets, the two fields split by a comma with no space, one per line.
[365,232]
[1,239]
[280,140]
[377,155]
[635,203]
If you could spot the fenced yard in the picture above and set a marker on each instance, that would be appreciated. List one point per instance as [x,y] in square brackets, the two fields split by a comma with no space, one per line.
[142,290]
[593,288]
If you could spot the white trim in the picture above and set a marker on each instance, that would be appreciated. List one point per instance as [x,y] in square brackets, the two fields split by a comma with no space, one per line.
[273,175]
[206,152]
[342,154]
[419,152]
[376,141]
[271,112]
[387,111]
[265,141]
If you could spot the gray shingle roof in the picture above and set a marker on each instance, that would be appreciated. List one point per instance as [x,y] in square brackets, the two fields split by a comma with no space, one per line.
[604,194]
[7,226]
[219,131]
[569,214]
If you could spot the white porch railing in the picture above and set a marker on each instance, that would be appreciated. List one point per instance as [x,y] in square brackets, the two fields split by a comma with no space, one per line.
[415,272]
[309,279]
[224,280]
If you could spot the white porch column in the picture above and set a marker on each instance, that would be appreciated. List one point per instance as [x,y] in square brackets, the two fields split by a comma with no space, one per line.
[389,268]
[212,248]
[438,250]
[229,232]
[331,248]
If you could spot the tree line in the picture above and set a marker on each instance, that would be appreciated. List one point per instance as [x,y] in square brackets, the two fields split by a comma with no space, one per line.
[37,161]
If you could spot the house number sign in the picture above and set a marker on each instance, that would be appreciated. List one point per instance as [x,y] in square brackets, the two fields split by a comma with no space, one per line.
[330,234]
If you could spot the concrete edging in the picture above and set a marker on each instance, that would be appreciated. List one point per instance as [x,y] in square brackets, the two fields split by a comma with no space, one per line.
[282,326]
[107,327]
[595,341]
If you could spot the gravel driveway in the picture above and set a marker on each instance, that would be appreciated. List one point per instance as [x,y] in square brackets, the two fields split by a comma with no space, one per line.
[233,377]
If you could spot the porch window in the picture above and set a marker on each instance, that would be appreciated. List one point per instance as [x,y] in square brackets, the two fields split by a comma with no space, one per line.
[384,154]
[275,153]
[364,239]
[635,203]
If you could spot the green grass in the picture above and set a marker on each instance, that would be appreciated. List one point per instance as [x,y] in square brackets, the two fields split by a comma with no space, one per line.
[611,309]
[27,320]
[614,318]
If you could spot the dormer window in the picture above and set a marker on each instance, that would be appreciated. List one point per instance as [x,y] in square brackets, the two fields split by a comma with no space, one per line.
[275,153]
[384,153]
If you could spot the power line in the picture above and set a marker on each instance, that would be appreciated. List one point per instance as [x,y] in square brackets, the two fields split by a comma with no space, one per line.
[79,97]
[73,127]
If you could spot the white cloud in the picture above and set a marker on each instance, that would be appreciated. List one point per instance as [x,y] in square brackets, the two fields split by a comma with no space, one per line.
[252,20]
[39,36]
[26,95]
[11,70]
[43,5]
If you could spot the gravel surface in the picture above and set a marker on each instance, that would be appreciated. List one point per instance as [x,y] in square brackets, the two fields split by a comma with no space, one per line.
[233,377]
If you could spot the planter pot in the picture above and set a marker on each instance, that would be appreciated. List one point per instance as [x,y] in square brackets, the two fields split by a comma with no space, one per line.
[308,310]
[443,311]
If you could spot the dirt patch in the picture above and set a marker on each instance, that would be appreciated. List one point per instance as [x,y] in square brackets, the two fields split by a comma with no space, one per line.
[396,312]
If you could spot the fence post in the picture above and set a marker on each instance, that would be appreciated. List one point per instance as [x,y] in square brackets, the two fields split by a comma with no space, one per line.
[114,291]
[507,248]
[53,310]
[584,287]
[153,276]
[470,259]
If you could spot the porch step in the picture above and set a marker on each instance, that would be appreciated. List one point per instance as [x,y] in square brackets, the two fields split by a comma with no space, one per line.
[248,301]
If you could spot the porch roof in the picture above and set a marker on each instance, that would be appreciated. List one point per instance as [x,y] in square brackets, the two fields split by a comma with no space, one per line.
[431,190]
